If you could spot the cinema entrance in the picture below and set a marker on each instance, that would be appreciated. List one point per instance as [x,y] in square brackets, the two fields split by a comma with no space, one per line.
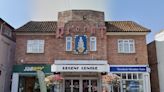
[82,84]
[80,75]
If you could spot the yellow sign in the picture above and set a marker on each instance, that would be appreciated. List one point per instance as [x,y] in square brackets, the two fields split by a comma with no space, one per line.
[34,68]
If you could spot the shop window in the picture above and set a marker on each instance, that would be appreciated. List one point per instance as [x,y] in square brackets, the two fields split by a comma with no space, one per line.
[35,46]
[68,43]
[129,76]
[124,76]
[129,82]
[126,46]
[140,76]
[93,46]
[134,76]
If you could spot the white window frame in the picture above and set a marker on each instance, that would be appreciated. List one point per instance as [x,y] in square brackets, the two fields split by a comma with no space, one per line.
[95,43]
[35,46]
[129,43]
[69,39]
[122,80]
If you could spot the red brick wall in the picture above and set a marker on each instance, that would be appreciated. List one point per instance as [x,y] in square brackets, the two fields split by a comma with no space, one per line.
[55,49]
[106,50]
[106,45]
[140,57]
[152,59]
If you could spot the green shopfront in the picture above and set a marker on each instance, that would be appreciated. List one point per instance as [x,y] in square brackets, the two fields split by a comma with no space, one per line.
[24,77]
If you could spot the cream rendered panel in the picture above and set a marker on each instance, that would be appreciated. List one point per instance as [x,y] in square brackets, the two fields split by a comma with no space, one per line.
[15,82]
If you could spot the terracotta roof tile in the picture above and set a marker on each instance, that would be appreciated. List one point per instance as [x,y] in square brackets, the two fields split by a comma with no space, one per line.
[125,26]
[112,26]
[43,26]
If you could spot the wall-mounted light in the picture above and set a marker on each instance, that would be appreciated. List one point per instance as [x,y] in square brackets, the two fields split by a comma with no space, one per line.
[22,60]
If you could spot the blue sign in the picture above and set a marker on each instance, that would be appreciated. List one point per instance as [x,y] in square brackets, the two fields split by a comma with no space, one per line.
[133,86]
[81,44]
[128,69]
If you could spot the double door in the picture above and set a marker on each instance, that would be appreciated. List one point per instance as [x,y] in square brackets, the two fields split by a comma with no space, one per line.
[81,85]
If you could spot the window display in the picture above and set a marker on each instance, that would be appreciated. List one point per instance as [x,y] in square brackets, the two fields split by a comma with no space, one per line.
[130,82]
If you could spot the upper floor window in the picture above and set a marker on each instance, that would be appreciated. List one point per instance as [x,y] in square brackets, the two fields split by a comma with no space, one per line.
[7,31]
[69,43]
[93,44]
[35,46]
[126,46]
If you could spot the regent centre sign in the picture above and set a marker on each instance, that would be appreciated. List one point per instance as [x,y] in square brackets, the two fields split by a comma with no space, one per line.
[79,68]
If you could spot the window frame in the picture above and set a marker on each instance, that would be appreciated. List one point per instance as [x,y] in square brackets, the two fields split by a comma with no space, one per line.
[126,79]
[130,42]
[67,43]
[35,44]
[95,43]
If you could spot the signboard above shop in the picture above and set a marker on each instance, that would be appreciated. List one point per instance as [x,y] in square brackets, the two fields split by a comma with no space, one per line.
[31,68]
[79,68]
[129,68]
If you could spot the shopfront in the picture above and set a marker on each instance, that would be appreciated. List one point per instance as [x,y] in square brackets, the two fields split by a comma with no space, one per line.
[80,75]
[133,78]
[24,77]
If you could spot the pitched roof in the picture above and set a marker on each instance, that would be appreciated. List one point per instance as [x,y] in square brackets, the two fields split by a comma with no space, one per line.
[112,26]
[38,26]
[7,24]
[125,26]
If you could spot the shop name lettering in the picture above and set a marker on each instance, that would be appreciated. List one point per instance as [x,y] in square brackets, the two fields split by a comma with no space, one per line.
[131,69]
[80,68]
[33,68]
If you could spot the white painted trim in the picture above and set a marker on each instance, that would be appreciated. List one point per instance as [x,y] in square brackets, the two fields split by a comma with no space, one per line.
[147,86]
[95,43]
[33,42]
[127,33]
[15,82]
[69,37]
[80,62]
[123,45]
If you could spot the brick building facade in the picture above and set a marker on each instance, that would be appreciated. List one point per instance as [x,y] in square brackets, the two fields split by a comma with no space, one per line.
[7,51]
[152,59]
[82,38]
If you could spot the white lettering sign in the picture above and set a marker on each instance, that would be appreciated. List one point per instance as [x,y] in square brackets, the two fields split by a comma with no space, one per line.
[79,68]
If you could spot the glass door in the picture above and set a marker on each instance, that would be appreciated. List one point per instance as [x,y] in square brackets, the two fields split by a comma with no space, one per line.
[76,86]
[85,86]
[81,85]
[90,86]
[72,86]
[67,85]
[94,86]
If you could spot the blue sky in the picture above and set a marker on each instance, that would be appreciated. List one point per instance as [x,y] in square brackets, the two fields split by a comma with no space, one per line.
[149,13]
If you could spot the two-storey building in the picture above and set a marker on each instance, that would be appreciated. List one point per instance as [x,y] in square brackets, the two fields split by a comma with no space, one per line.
[81,46]
[7,49]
